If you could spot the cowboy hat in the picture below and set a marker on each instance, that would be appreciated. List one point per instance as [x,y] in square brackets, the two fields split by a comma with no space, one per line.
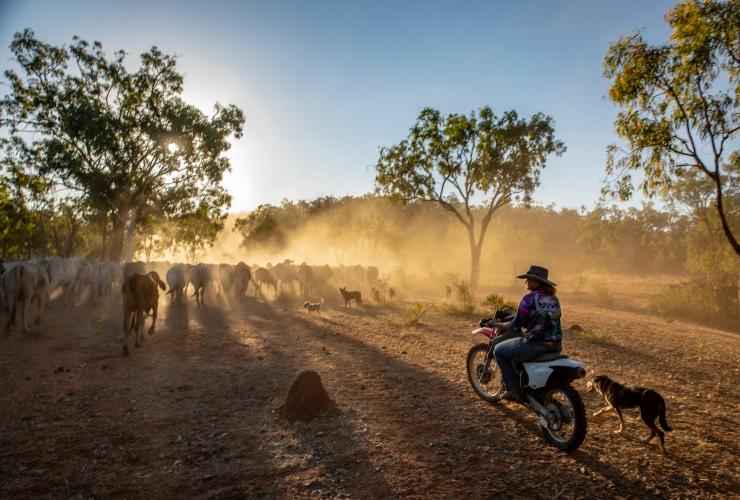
[537,273]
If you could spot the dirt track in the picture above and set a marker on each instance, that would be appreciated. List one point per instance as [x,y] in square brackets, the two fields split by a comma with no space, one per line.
[193,412]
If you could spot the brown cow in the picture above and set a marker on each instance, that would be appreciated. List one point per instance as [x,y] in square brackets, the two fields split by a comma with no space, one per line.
[139,294]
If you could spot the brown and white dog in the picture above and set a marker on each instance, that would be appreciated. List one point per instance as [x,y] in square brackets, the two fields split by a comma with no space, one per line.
[314,307]
[618,397]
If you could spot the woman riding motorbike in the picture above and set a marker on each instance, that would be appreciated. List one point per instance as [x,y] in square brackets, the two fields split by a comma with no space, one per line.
[539,316]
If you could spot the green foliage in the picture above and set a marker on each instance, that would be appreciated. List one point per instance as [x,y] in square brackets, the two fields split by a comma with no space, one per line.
[633,239]
[261,227]
[713,302]
[123,143]
[455,159]
[197,230]
[680,102]
[345,222]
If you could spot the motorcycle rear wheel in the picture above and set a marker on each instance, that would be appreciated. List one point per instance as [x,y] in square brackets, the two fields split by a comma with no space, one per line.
[567,430]
[484,375]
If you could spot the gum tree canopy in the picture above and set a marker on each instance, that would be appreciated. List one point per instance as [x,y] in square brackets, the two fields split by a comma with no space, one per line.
[680,106]
[124,142]
[470,165]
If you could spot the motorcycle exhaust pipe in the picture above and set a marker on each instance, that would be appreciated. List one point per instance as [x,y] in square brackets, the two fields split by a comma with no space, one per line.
[581,372]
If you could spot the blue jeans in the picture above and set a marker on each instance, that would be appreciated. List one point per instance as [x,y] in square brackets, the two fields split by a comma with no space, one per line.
[517,349]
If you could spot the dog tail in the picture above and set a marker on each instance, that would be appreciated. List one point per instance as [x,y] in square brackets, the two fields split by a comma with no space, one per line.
[663,422]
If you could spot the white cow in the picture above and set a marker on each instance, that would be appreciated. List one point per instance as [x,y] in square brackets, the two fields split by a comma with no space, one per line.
[24,283]
[178,278]
[116,271]
[85,279]
[103,280]
[63,274]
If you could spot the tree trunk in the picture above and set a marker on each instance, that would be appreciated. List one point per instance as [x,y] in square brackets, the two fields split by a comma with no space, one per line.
[130,229]
[104,247]
[475,252]
[116,240]
[723,218]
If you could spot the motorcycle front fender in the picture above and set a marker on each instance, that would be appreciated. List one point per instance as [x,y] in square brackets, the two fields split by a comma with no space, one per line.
[488,332]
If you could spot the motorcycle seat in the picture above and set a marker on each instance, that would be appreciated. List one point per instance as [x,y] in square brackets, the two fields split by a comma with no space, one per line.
[548,356]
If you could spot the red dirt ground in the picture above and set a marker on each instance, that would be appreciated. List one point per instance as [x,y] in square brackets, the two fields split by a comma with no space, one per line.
[194,412]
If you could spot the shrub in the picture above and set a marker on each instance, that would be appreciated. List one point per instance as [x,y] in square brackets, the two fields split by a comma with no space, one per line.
[495,301]
[379,290]
[714,302]
[414,313]
[465,296]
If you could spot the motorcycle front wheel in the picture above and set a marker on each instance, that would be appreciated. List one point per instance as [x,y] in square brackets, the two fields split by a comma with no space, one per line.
[566,429]
[483,374]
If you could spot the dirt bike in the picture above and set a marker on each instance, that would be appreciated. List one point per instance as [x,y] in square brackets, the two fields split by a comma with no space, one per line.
[545,383]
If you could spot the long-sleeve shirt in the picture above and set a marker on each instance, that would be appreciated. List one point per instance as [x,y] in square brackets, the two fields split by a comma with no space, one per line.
[541,324]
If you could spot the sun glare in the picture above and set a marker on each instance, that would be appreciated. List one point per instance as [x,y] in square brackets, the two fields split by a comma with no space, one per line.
[172,147]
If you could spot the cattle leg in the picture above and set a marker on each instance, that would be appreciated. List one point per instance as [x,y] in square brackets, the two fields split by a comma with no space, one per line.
[41,304]
[139,327]
[11,317]
[25,311]
[154,319]
[125,332]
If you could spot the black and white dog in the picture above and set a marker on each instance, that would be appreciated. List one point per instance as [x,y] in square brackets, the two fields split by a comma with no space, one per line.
[619,397]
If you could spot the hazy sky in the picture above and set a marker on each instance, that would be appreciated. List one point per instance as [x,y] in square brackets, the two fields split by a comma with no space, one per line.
[324,84]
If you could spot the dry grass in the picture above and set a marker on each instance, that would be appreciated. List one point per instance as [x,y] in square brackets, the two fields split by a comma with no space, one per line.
[591,336]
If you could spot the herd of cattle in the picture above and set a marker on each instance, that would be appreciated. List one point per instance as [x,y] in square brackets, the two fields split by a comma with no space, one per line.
[74,280]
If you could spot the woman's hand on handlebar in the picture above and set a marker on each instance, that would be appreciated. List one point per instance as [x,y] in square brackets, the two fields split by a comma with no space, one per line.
[503,326]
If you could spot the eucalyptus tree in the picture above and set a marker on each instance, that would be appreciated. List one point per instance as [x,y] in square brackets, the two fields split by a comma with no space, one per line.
[470,165]
[122,141]
[679,103]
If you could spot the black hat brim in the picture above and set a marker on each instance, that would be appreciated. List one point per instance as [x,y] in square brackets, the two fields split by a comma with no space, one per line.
[538,278]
